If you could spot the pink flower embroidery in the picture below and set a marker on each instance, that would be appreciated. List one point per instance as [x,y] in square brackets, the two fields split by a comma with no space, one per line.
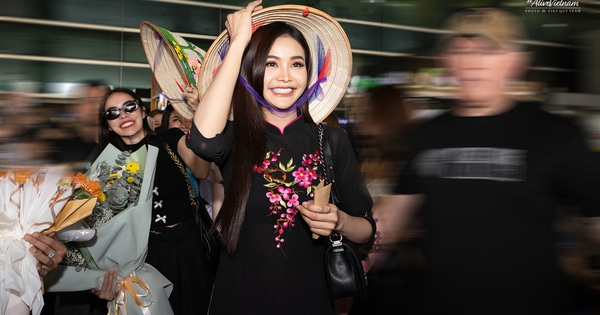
[305,182]
[300,175]
[306,161]
[293,202]
[262,167]
[283,194]
[312,174]
[273,198]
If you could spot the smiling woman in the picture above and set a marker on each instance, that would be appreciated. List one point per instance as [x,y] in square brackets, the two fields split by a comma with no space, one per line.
[131,124]
[282,70]
[285,74]
[174,246]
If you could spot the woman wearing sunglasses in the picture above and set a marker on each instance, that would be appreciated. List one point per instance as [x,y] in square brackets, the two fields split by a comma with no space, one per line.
[174,246]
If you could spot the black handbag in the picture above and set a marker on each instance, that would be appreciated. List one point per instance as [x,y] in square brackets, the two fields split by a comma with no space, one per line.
[212,246]
[343,268]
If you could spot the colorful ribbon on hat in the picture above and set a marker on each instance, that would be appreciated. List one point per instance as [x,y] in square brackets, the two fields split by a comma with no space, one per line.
[190,75]
[157,57]
[139,291]
[308,94]
[222,51]
[314,92]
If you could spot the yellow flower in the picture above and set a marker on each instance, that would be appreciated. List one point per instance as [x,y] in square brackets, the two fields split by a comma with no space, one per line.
[112,178]
[101,198]
[176,46]
[130,179]
[132,167]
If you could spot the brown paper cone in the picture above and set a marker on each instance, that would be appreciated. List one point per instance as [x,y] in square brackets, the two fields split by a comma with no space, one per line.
[72,212]
[321,198]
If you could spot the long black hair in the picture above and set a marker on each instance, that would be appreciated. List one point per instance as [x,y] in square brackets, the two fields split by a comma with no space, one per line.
[249,127]
[164,125]
[107,136]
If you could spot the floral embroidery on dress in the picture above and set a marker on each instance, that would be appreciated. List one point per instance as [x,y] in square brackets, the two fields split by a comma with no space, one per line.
[283,194]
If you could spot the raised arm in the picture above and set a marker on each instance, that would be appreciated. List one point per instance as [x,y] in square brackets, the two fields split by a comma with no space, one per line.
[213,110]
[199,167]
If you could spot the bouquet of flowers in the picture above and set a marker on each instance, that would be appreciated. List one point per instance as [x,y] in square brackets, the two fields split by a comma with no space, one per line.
[31,200]
[118,187]
[80,206]
[121,219]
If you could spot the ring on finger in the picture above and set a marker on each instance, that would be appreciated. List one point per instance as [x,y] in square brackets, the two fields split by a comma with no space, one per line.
[51,254]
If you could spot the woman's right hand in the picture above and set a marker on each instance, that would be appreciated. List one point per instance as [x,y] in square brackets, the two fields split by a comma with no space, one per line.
[47,249]
[211,115]
[239,23]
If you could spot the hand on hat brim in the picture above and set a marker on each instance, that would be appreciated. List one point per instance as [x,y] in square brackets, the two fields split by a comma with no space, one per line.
[239,23]
[191,95]
[253,6]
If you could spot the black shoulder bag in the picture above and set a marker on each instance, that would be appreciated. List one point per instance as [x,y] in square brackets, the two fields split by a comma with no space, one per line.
[211,244]
[343,268]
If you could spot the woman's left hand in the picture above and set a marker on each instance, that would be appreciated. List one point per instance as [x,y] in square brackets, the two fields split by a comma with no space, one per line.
[321,219]
[47,249]
[110,286]
[191,95]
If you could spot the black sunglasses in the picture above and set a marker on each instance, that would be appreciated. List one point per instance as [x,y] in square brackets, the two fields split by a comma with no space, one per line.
[114,112]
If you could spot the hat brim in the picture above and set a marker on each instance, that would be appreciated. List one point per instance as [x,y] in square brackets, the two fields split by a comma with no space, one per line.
[171,76]
[312,23]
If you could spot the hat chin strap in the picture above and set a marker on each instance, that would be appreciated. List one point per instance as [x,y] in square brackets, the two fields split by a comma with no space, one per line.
[313,92]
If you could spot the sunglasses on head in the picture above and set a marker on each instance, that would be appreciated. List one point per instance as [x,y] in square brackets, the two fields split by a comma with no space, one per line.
[114,112]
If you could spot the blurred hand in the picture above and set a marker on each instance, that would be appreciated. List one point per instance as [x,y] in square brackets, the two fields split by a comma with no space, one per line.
[192,97]
[47,249]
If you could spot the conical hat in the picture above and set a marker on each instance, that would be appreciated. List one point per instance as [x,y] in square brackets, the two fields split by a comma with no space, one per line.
[174,61]
[325,37]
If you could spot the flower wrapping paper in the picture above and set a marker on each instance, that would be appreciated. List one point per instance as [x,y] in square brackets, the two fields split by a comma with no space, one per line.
[122,244]
[30,200]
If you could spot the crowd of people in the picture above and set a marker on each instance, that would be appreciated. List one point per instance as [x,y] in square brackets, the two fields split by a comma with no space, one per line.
[455,214]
